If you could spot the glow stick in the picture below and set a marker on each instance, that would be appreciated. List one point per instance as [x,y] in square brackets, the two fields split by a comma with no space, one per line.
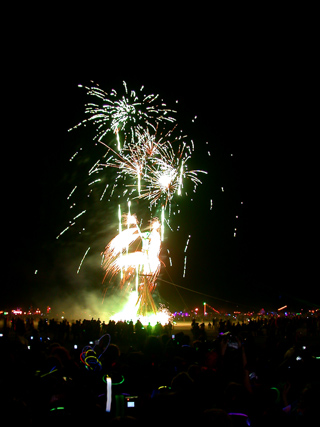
[108,394]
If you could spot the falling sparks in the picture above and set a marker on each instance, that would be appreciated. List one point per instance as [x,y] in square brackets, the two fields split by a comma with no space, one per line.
[184,266]
[187,244]
[93,182]
[185,257]
[81,213]
[104,192]
[64,230]
[81,262]
[72,191]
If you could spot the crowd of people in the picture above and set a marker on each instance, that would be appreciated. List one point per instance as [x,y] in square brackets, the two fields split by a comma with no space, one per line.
[259,373]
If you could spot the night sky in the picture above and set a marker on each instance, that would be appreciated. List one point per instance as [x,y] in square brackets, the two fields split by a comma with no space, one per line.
[252,99]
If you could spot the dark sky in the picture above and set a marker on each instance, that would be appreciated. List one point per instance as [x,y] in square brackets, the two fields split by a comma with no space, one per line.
[252,95]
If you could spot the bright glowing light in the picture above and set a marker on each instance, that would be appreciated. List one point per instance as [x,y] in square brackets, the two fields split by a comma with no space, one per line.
[165,179]
[142,265]
[149,156]
[131,312]
[108,393]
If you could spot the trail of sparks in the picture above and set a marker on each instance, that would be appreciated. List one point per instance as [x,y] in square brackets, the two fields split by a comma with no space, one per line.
[72,191]
[64,230]
[185,257]
[79,214]
[184,266]
[81,262]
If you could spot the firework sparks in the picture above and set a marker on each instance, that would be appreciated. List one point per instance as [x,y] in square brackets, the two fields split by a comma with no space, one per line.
[158,168]
[113,112]
[150,163]
[142,266]
[81,262]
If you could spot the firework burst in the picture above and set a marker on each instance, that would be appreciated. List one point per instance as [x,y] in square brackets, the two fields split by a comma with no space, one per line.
[150,157]
[158,165]
[112,112]
[138,267]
